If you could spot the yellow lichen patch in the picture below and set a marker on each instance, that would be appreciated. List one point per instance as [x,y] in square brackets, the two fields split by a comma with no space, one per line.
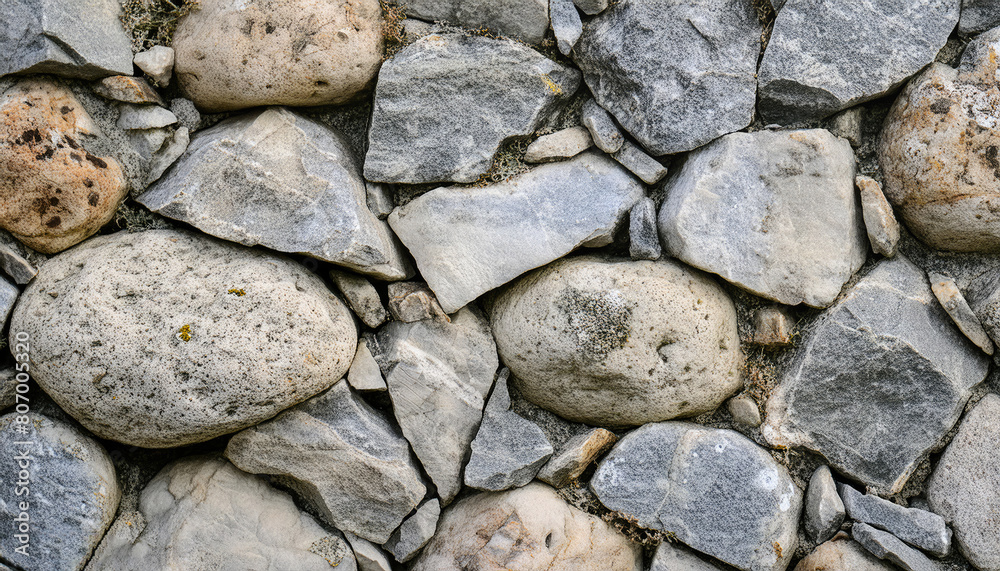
[238,292]
[184,333]
[553,86]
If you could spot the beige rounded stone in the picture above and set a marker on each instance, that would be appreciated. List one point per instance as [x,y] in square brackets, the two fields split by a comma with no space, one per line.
[615,342]
[841,554]
[234,54]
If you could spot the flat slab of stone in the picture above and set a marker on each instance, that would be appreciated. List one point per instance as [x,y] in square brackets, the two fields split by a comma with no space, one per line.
[978,16]
[917,527]
[671,557]
[886,546]
[559,145]
[415,532]
[602,127]
[527,20]
[842,554]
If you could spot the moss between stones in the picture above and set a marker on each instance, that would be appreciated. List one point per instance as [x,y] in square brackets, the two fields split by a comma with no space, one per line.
[152,22]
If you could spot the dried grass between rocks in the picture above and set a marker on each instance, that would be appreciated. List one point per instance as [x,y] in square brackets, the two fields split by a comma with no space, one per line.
[153,22]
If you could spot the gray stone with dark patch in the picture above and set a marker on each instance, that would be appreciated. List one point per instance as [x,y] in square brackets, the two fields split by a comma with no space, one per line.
[643,235]
[919,528]
[827,56]
[642,165]
[675,75]
[886,546]
[885,364]
[527,20]
[602,127]
[978,16]
[566,24]
[407,541]
[444,104]
[714,489]
[824,509]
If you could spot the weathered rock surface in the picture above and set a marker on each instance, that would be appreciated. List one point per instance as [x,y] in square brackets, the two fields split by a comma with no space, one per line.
[527,529]
[963,487]
[919,528]
[283,181]
[575,455]
[691,480]
[82,38]
[670,557]
[744,411]
[132,117]
[232,54]
[952,300]
[978,16]
[847,125]
[158,62]
[364,374]
[163,338]
[841,555]
[642,165]
[559,145]
[413,301]
[361,297]
[415,532]
[53,191]
[823,57]
[201,513]
[445,103]
[880,222]
[340,456]
[603,130]
[14,259]
[591,7]
[8,296]
[566,24]
[368,556]
[8,387]
[824,509]
[674,75]
[772,327]
[67,501]
[127,89]
[643,235]
[439,374]
[614,342]
[467,241]
[885,364]
[524,19]
[775,213]
[887,546]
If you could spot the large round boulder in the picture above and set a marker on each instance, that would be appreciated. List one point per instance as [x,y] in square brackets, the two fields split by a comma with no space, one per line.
[165,338]
[618,342]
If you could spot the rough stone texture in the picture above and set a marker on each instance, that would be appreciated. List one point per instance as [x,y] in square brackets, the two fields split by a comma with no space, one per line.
[53,191]
[527,20]
[744,411]
[936,152]
[880,222]
[575,456]
[841,555]
[963,487]
[186,113]
[369,556]
[444,104]
[234,54]
[714,489]
[467,241]
[603,130]
[978,16]
[439,374]
[171,150]
[642,165]
[559,145]
[643,235]
[591,7]
[201,514]
[163,338]
[8,296]
[361,297]
[566,24]
[413,301]
[342,457]
[772,327]
[71,493]
[8,387]
[379,200]
[527,529]
[364,374]
[14,259]
[82,38]
[824,509]
[847,125]
[670,557]
[614,342]
[158,62]
[952,300]
[885,364]
[285,182]
[825,57]
[675,75]
[127,89]
[886,546]
[508,449]
[775,213]
[144,117]
[415,532]
[919,528]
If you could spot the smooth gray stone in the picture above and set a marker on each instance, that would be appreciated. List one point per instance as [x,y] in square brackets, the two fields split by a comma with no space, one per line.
[71,38]
[774,212]
[670,557]
[8,297]
[978,16]
[952,300]
[714,489]
[341,457]
[744,411]
[369,556]
[827,56]
[361,297]
[884,365]
[824,509]
[602,127]
[886,546]
[133,117]
[919,528]
[642,165]
[467,241]
[285,182]
[364,374]
[508,449]
[439,374]
[71,493]
[415,532]
[643,235]
[591,7]
[444,104]
[675,75]
[14,259]
[527,20]
[566,24]
[558,146]
[963,487]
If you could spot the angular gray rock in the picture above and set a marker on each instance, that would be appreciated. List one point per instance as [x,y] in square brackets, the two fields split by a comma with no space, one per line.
[8,297]
[602,127]
[824,509]
[566,24]
[919,528]
[133,117]
[978,16]
[887,546]
[508,449]
[591,7]
[616,342]
[643,235]
[379,200]
[675,75]
[164,338]
[690,480]
[361,297]
[963,487]
[560,145]
[415,532]
[774,212]
[952,300]
[670,557]
[444,104]
[467,241]
[14,259]
[527,20]
[575,455]
[186,113]
[364,374]
[413,301]
[880,222]
[865,50]
[158,62]
[171,150]
[439,374]
[847,125]
[642,165]
[744,411]
[62,496]
[885,364]
[282,181]
[201,513]
[369,556]
[82,38]
[340,456]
